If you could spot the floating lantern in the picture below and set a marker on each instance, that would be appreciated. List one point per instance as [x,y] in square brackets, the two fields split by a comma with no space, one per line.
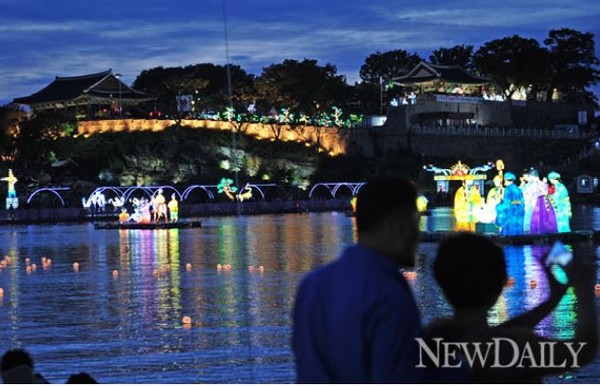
[533,284]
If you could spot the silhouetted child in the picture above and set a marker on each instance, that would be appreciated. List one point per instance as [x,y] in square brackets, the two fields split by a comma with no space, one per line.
[81,378]
[471,271]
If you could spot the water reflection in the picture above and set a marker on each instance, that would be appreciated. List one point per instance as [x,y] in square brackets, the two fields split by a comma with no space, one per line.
[127,328]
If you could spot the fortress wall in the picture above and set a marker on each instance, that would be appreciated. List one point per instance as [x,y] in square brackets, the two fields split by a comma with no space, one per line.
[332,140]
[517,153]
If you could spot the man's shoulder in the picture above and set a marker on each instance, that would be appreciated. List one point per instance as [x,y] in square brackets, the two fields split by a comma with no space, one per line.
[319,274]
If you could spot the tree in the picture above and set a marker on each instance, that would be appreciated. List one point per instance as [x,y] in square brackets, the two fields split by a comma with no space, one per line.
[459,55]
[514,63]
[206,81]
[573,62]
[10,118]
[365,98]
[36,143]
[304,87]
[377,72]
[387,66]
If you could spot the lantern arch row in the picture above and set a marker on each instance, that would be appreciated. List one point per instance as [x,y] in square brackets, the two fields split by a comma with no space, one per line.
[126,193]
[334,187]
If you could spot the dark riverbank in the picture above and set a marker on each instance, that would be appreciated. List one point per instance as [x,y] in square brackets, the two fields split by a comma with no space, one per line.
[55,215]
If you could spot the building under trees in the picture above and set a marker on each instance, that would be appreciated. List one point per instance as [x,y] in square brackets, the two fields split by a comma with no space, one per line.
[100,95]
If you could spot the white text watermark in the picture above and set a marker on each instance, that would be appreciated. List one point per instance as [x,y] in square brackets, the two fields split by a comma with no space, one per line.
[499,352]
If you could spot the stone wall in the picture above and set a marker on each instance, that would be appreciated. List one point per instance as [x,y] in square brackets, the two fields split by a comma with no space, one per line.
[331,140]
[516,153]
[522,133]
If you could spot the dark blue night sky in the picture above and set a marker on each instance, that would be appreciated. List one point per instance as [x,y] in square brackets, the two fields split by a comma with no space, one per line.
[40,39]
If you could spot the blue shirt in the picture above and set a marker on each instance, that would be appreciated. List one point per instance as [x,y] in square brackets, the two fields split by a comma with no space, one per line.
[355,321]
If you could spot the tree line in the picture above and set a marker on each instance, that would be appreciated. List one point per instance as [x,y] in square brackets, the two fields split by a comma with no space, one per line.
[565,62]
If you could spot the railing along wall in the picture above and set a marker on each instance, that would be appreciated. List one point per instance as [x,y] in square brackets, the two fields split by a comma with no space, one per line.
[499,132]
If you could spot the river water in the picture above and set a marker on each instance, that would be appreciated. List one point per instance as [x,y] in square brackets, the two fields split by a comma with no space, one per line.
[126,326]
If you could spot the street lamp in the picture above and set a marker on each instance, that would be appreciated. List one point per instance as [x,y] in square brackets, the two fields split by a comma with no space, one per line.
[380,95]
[118,76]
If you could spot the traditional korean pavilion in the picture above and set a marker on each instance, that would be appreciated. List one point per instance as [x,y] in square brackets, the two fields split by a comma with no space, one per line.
[449,96]
[427,77]
[90,93]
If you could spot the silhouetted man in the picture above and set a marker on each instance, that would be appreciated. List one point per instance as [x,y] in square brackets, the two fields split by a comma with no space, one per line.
[355,319]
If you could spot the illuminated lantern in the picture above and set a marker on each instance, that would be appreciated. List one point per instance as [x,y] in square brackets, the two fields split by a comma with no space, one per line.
[559,197]
[173,209]
[123,216]
[226,186]
[422,203]
[186,320]
[533,284]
